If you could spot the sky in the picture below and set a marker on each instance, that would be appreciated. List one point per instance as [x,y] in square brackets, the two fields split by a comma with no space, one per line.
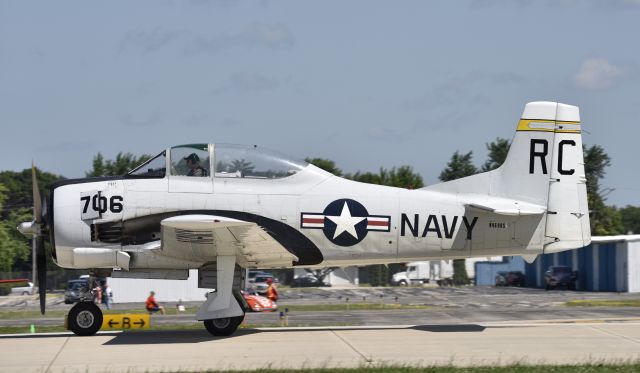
[368,84]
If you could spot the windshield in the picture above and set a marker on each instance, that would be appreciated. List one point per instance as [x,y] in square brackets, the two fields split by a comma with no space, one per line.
[154,168]
[251,162]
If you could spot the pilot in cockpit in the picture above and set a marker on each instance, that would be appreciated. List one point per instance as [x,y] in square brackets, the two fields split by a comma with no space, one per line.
[193,162]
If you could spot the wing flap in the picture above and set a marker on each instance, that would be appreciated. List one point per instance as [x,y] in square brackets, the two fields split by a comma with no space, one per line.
[203,237]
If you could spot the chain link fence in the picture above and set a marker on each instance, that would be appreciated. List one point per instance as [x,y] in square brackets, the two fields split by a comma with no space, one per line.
[56,279]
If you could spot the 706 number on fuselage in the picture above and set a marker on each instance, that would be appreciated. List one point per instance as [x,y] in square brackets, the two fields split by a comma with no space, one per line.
[93,204]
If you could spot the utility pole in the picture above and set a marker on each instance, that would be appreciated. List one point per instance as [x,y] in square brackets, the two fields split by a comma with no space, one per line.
[33,256]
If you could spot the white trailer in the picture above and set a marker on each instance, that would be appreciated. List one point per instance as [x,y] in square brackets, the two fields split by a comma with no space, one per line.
[417,273]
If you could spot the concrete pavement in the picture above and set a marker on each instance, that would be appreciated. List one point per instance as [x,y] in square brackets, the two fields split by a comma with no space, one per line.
[424,345]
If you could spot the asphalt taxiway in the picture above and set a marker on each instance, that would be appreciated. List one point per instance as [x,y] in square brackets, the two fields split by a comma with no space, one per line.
[415,345]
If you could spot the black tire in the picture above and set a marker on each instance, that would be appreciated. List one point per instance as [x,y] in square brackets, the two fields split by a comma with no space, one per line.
[223,327]
[402,283]
[85,318]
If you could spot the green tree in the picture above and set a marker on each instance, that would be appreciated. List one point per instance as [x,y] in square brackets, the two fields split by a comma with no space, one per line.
[498,151]
[13,246]
[123,163]
[377,275]
[404,177]
[325,164]
[459,166]
[17,207]
[630,219]
[605,220]
[401,177]
[19,191]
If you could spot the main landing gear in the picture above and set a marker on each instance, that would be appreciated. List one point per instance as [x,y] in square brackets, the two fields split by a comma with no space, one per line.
[85,318]
[223,312]
[224,326]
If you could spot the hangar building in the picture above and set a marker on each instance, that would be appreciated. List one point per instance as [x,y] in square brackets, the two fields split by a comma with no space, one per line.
[609,263]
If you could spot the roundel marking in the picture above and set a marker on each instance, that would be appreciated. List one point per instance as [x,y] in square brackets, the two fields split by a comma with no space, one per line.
[345,222]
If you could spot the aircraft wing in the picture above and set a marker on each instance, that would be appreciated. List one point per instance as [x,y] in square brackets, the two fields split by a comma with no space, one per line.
[203,237]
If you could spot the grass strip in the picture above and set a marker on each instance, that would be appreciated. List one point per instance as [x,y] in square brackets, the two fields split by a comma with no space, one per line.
[196,325]
[351,307]
[624,367]
[35,314]
[603,303]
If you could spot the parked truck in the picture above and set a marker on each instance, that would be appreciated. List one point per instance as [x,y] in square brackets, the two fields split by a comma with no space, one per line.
[435,271]
[418,273]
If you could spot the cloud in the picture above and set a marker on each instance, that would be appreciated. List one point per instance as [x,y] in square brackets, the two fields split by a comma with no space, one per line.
[596,73]
[463,91]
[246,82]
[256,34]
[275,36]
[149,41]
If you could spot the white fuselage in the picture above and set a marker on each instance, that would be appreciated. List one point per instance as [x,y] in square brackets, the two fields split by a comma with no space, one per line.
[404,225]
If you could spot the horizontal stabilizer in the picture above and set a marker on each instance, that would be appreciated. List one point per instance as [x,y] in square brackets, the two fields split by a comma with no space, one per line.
[503,206]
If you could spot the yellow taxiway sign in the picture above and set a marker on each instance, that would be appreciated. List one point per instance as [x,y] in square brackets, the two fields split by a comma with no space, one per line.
[125,321]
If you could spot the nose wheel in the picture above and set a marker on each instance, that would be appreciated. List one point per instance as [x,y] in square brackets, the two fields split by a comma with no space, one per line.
[85,318]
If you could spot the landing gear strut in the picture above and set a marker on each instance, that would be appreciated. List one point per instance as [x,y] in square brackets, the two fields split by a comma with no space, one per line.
[223,312]
[85,318]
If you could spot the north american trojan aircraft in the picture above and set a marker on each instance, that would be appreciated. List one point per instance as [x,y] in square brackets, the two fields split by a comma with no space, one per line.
[224,208]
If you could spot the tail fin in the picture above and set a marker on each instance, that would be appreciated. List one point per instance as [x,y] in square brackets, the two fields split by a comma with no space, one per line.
[544,167]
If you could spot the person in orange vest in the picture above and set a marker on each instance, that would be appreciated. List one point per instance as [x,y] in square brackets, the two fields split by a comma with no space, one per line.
[153,306]
[272,293]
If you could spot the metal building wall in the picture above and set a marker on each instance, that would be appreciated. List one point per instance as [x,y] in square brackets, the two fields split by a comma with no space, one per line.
[128,290]
[633,266]
[600,266]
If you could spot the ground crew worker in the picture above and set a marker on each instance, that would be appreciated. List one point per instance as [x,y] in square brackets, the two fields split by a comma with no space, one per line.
[272,293]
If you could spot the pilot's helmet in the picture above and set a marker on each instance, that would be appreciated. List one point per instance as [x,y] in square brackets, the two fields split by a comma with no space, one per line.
[193,157]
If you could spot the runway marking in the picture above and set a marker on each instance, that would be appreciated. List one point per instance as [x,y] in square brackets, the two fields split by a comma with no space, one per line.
[57,354]
[53,334]
[633,340]
[367,360]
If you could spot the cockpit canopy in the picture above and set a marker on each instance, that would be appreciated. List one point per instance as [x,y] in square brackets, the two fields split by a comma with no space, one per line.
[226,161]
